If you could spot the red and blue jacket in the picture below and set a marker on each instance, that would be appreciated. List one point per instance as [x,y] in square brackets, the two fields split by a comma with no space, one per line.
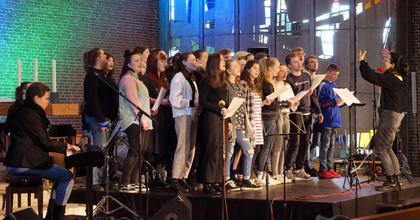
[329,108]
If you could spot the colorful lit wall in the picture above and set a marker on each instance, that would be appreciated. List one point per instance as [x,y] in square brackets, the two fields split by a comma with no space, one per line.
[62,30]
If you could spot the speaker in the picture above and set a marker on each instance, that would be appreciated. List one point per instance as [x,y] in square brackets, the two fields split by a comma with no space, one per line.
[25,214]
[255,50]
[178,208]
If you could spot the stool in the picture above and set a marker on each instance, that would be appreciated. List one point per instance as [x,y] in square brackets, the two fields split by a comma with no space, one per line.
[24,184]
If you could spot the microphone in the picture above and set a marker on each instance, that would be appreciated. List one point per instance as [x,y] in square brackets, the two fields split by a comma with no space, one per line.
[222,103]
[284,104]
[381,69]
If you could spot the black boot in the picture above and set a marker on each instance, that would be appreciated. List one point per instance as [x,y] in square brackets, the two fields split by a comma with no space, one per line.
[184,183]
[398,180]
[176,186]
[209,189]
[50,210]
[389,184]
[58,213]
[162,183]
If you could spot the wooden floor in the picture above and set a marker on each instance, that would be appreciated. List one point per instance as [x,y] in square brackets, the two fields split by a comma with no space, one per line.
[304,200]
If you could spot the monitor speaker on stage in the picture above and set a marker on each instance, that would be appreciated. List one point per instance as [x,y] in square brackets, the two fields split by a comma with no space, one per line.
[179,207]
[25,214]
[255,50]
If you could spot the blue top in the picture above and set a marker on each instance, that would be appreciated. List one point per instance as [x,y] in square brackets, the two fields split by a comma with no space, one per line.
[329,108]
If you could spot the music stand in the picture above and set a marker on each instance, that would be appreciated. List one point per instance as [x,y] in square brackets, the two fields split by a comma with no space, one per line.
[351,174]
[285,136]
[103,204]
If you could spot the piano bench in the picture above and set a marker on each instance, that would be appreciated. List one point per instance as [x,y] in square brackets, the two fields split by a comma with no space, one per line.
[19,184]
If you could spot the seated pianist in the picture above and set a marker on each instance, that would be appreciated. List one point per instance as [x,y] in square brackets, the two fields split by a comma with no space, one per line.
[30,144]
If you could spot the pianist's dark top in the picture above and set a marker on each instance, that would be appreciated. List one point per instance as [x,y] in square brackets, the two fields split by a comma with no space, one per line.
[30,143]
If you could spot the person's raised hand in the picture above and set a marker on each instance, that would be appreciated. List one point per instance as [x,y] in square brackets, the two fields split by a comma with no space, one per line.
[361,56]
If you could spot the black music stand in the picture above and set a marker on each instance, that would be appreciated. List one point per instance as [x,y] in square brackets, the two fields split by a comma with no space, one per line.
[103,204]
[285,136]
[351,173]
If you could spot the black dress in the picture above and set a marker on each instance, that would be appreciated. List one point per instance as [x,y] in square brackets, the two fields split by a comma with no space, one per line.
[211,166]
[162,140]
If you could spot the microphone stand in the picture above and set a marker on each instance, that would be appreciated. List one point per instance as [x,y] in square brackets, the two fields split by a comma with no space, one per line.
[103,205]
[285,136]
[139,114]
[222,104]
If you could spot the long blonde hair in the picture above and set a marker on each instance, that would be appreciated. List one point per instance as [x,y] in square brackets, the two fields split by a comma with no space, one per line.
[265,73]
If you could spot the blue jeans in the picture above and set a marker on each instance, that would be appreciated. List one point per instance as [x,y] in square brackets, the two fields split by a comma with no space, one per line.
[62,177]
[389,122]
[270,127]
[98,138]
[326,150]
[316,136]
[247,151]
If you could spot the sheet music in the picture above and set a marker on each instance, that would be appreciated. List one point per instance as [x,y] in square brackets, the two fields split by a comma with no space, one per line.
[159,99]
[318,79]
[300,95]
[234,105]
[288,94]
[277,93]
[347,96]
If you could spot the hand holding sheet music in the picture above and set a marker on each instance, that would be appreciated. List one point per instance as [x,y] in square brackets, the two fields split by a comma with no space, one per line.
[234,105]
[300,95]
[347,96]
[159,99]
[318,79]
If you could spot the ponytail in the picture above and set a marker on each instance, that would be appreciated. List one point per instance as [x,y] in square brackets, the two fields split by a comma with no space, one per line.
[400,65]
[89,58]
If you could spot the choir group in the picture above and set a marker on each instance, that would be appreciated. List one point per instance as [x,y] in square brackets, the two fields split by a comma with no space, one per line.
[190,143]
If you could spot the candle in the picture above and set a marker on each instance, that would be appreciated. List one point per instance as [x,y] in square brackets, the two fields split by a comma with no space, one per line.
[19,72]
[36,70]
[54,79]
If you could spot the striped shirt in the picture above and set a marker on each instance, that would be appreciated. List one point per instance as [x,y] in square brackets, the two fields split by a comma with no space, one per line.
[259,137]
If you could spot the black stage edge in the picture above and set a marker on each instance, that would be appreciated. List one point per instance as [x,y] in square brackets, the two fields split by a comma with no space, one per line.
[306,200]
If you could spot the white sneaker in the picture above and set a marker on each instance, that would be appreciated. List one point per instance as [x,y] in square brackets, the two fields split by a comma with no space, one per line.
[302,175]
[272,181]
[231,185]
[126,188]
[260,180]
[289,175]
[281,177]
[137,187]
[250,185]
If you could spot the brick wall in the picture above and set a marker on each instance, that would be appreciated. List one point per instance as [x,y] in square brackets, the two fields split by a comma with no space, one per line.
[63,30]
[414,61]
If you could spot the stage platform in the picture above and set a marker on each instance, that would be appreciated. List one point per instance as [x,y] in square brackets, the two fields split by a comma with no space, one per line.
[304,200]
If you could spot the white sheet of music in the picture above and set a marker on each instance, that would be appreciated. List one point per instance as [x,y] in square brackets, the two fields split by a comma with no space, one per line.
[277,93]
[347,96]
[300,95]
[159,99]
[318,79]
[234,105]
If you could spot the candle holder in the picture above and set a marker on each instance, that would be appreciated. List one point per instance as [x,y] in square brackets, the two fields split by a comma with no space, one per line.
[54,96]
